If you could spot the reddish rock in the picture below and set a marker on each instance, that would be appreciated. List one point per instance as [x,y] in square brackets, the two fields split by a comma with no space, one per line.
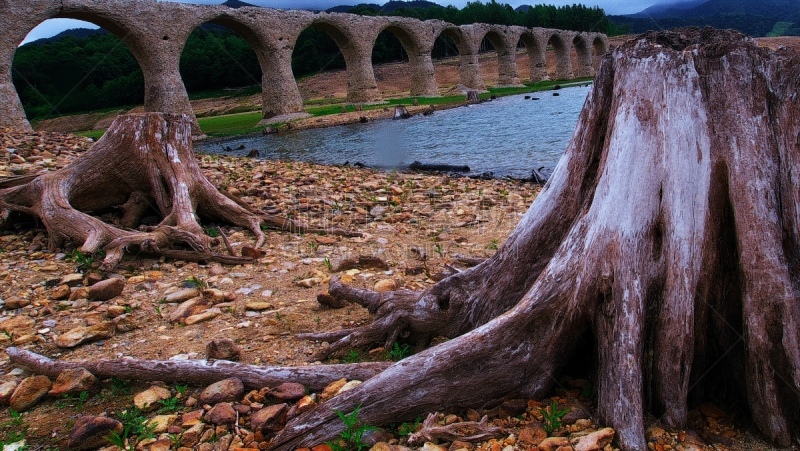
[251,252]
[6,390]
[269,419]
[29,392]
[594,441]
[90,432]
[223,349]
[72,381]
[532,434]
[106,289]
[79,335]
[288,391]
[222,413]
[226,390]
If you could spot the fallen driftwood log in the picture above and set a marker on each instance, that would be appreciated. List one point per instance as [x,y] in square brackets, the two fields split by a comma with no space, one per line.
[201,372]
[417,166]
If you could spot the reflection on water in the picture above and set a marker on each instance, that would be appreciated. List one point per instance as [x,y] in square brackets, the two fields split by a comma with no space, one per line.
[507,136]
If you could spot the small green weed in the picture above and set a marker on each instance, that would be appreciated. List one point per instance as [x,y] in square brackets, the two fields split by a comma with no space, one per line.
[352,437]
[120,386]
[438,249]
[406,429]
[493,244]
[134,428]
[83,260]
[168,405]
[328,264]
[399,351]
[76,401]
[194,282]
[213,232]
[181,388]
[552,417]
[352,356]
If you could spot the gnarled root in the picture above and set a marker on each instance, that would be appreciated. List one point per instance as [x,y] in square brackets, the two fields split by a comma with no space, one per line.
[465,431]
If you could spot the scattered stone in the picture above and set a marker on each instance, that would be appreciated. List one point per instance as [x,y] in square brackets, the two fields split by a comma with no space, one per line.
[332,389]
[192,418]
[221,413]
[115,311]
[182,295]
[428,446]
[72,280]
[348,386]
[148,399]
[269,419]
[124,323]
[251,252]
[594,441]
[258,306]
[309,283]
[200,317]
[60,292]
[191,436]
[712,411]
[305,404]
[216,296]
[18,325]
[533,434]
[553,443]
[386,285]
[29,392]
[189,308]
[6,390]
[226,390]
[85,334]
[106,289]
[73,380]
[288,391]
[329,301]
[14,303]
[223,349]
[160,423]
[90,432]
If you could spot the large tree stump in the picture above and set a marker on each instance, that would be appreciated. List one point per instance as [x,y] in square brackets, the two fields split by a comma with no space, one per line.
[667,239]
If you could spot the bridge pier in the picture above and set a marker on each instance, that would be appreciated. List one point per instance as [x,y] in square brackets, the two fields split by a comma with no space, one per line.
[280,96]
[12,115]
[164,90]
[471,71]
[507,65]
[361,84]
[423,74]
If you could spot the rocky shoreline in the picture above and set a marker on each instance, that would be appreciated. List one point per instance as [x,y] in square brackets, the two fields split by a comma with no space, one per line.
[414,228]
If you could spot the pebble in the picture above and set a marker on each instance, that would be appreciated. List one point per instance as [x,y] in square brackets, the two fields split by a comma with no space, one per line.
[160,423]
[90,432]
[223,349]
[148,399]
[84,334]
[594,441]
[226,390]
[221,413]
[269,419]
[6,390]
[29,392]
[73,380]
[106,289]
[385,285]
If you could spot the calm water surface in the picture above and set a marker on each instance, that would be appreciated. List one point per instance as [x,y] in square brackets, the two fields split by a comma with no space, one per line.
[507,137]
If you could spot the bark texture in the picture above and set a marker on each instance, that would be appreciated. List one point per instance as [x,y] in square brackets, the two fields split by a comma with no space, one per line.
[667,239]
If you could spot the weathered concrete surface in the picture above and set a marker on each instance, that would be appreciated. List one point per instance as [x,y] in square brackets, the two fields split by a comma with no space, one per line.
[156,33]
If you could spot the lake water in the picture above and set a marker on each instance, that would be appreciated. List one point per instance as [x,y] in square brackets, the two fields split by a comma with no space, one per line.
[508,137]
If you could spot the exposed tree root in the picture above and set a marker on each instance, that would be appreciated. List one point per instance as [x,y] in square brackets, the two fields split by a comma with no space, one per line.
[466,431]
[200,372]
[144,164]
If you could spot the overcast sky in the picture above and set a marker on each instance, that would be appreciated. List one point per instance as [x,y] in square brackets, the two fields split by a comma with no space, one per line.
[55,26]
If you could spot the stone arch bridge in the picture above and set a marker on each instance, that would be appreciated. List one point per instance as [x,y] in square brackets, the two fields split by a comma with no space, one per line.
[156,32]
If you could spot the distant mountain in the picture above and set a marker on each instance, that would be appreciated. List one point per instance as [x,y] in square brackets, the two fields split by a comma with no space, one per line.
[774,17]
[393,5]
[77,33]
[236,4]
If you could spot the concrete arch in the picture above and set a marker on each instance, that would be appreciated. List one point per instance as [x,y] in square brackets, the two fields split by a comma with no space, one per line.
[584,52]
[563,62]
[535,48]
[280,97]
[599,48]
[423,76]
[469,67]
[504,40]
[354,35]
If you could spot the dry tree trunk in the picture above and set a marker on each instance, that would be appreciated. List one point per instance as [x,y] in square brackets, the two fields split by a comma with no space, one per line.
[144,164]
[667,237]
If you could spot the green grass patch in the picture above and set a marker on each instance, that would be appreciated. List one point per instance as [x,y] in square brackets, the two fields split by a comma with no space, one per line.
[230,124]
[241,92]
[94,134]
[779,29]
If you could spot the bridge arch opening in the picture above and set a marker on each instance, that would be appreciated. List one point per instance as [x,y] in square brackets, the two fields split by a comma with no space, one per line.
[97,70]
[558,64]
[449,49]
[498,60]
[533,59]
[223,56]
[318,48]
[582,57]
[599,48]
[393,54]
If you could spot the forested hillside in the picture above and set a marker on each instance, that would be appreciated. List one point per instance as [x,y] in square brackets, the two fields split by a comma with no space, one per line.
[84,71]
